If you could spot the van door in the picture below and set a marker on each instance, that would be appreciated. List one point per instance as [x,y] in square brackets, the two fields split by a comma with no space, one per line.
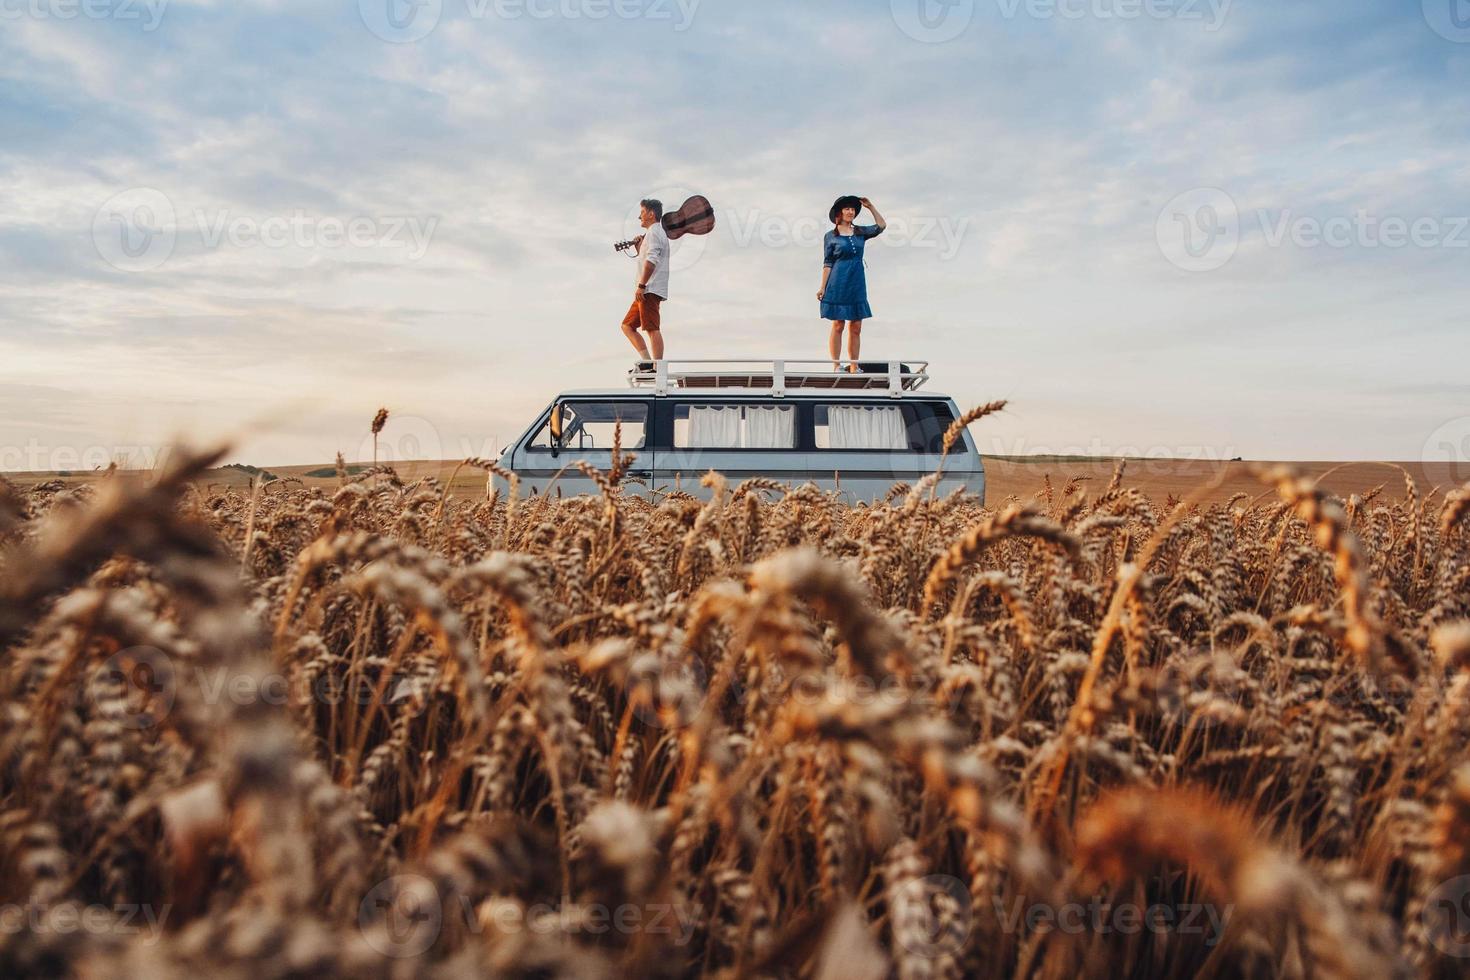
[739,438]
[546,462]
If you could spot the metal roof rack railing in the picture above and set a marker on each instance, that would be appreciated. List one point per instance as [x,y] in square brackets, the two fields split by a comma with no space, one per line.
[780,375]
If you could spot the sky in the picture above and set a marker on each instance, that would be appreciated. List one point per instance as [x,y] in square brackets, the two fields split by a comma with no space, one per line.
[1201,228]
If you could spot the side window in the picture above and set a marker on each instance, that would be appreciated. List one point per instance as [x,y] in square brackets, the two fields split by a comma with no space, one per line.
[707,426]
[590,425]
[859,426]
[928,430]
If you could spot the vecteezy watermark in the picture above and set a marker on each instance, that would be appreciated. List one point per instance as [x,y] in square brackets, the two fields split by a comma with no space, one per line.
[403,916]
[406,21]
[936,916]
[135,687]
[148,13]
[42,457]
[1450,443]
[933,21]
[1450,19]
[1447,917]
[944,234]
[1098,917]
[1201,230]
[67,918]
[685,252]
[405,438]
[401,21]
[1154,460]
[1211,13]
[138,230]
[300,229]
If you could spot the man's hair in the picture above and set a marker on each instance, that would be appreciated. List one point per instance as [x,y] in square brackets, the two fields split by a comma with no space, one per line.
[656,206]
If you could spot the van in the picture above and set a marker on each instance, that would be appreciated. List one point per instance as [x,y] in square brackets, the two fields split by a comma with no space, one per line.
[793,421]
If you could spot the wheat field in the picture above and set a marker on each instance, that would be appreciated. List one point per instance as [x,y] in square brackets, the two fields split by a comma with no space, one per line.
[378,730]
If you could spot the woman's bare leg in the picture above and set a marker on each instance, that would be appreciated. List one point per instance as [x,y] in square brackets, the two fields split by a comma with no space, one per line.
[834,343]
[854,342]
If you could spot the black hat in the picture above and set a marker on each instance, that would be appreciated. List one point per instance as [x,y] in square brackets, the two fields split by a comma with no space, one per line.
[846,201]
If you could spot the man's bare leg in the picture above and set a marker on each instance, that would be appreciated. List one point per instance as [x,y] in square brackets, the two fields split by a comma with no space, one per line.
[656,341]
[854,342]
[631,332]
[834,343]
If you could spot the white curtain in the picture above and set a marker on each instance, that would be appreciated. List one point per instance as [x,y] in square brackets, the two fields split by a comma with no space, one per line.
[714,427]
[770,428]
[859,427]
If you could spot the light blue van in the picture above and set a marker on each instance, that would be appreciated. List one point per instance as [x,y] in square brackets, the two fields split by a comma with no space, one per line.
[793,421]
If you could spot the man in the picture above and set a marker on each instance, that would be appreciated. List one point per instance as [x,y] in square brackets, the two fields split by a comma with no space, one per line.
[652,283]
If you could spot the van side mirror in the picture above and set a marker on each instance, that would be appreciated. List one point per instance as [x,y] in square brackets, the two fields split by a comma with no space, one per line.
[556,429]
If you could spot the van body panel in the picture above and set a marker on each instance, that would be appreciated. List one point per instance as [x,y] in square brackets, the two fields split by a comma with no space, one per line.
[662,466]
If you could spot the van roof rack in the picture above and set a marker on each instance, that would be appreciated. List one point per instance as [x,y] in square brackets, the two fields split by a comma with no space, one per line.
[781,375]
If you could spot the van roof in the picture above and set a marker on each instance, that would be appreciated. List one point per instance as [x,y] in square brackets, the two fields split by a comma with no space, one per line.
[824,394]
[780,376]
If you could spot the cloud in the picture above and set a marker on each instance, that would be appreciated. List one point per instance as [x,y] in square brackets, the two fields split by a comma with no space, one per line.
[1054,143]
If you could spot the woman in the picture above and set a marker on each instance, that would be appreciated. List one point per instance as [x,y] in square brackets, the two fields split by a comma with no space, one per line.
[844,292]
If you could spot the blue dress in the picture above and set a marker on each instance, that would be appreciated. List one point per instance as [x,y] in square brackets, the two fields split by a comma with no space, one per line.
[846,297]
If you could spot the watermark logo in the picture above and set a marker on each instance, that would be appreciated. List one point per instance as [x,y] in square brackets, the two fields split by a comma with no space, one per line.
[1447,917]
[670,694]
[136,231]
[141,683]
[1199,231]
[1450,19]
[1099,917]
[679,12]
[933,21]
[401,21]
[1450,443]
[1212,13]
[40,457]
[933,916]
[406,438]
[942,234]
[142,924]
[407,21]
[147,12]
[401,917]
[685,252]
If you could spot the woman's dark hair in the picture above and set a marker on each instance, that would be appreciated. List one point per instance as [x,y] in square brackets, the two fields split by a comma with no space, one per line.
[656,206]
[846,201]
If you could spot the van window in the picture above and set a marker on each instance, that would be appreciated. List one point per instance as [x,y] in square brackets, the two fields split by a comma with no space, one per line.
[707,426]
[590,425]
[873,427]
[916,427]
[933,418]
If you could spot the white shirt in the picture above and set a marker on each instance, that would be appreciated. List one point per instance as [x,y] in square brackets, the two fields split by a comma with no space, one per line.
[655,249]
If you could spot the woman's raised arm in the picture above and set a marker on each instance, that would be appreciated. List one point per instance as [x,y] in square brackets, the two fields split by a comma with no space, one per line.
[877,218]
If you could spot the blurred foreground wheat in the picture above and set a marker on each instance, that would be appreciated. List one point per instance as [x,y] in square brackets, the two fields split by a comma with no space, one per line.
[382,732]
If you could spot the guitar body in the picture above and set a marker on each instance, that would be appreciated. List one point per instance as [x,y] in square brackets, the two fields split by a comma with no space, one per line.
[695,216]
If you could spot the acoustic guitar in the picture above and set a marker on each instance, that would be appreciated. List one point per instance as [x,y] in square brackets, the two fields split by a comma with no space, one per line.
[695,216]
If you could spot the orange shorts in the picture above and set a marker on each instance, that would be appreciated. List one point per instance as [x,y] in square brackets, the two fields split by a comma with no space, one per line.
[644,313]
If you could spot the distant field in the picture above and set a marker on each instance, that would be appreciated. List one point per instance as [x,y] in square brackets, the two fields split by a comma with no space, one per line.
[1007,476]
